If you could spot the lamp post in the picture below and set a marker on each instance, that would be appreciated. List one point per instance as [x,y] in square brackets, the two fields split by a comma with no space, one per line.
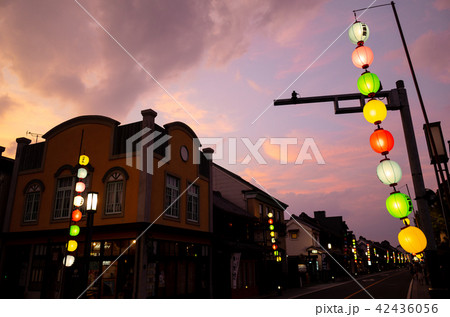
[91,209]
[397,100]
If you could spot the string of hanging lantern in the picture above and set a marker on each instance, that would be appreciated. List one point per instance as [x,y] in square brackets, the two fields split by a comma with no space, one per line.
[399,205]
[78,202]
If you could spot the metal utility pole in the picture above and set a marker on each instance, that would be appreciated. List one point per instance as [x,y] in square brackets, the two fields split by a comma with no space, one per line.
[396,100]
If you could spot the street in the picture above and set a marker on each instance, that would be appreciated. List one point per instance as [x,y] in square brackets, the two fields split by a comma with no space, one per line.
[391,284]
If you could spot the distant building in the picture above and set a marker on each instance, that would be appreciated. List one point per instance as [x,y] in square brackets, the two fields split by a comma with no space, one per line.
[333,237]
[245,263]
[6,170]
[303,250]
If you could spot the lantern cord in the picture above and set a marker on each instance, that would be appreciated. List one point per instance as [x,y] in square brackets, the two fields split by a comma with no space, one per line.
[81,142]
[354,13]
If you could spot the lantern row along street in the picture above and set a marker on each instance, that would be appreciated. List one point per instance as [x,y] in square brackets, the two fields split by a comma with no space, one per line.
[273,237]
[78,201]
[399,205]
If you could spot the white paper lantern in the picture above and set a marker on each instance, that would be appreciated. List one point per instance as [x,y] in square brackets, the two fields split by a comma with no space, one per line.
[358,32]
[82,173]
[389,172]
[78,201]
[69,260]
[80,187]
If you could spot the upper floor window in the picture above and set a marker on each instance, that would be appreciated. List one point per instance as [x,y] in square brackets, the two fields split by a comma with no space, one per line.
[32,201]
[192,203]
[63,197]
[172,192]
[115,185]
[261,211]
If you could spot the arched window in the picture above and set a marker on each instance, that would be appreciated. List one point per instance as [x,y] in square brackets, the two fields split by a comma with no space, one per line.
[115,180]
[32,200]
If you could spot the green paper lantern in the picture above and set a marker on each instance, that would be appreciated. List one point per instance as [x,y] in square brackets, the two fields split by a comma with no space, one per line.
[368,84]
[271,227]
[74,230]
[358,33]
[399,205]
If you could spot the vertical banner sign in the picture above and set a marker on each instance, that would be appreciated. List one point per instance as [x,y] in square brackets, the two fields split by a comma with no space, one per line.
[235,259]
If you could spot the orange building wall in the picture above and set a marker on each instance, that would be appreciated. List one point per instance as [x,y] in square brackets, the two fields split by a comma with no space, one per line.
[63,149]
[186,172]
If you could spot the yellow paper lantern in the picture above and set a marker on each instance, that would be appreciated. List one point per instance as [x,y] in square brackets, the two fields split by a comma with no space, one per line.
[412,239]
[375,111]
[72,245]
[84,160]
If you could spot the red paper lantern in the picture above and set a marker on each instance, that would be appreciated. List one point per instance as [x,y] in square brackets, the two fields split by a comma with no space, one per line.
[362,57]
[270,221]
[76,215]
[274,247]
[381,141]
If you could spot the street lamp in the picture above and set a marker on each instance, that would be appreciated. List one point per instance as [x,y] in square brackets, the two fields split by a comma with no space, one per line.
[91,209]
[92,200]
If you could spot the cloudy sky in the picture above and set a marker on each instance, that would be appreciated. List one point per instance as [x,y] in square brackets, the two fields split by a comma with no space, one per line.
[218,66]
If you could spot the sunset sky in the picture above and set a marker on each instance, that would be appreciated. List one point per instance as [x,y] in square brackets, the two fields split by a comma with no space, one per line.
[224,62]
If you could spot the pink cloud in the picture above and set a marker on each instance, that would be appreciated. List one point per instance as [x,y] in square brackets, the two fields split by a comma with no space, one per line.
[430,53]
[441,5]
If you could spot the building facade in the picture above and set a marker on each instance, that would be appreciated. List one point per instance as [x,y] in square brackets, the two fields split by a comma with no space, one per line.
[151,234]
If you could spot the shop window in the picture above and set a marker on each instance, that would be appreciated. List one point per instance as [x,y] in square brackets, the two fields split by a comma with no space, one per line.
[37,267]
[172,197]
[192,203]
[32,200]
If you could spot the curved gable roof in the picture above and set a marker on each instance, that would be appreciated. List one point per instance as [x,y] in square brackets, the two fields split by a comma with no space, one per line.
[181,126]
[78,121]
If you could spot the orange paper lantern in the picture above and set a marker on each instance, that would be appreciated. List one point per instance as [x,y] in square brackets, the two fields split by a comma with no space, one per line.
[381,141]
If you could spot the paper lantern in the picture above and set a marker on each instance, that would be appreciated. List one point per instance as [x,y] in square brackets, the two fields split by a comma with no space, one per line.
[381,141]
[68,260]
[273,240]
[399,205]
[412,239]
[76,215]
[270,221]
[274,247]
[72,245]
[368,84]
[270,215]
[78,201]
[375,111]
[84,160]
[389,172]
[358,33]
[82,173]
[80,187]
[271,227]
[362,57]
[272,234]
[74,230]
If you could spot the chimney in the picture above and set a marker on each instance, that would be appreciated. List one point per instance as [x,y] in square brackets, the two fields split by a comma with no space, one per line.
[320,214]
